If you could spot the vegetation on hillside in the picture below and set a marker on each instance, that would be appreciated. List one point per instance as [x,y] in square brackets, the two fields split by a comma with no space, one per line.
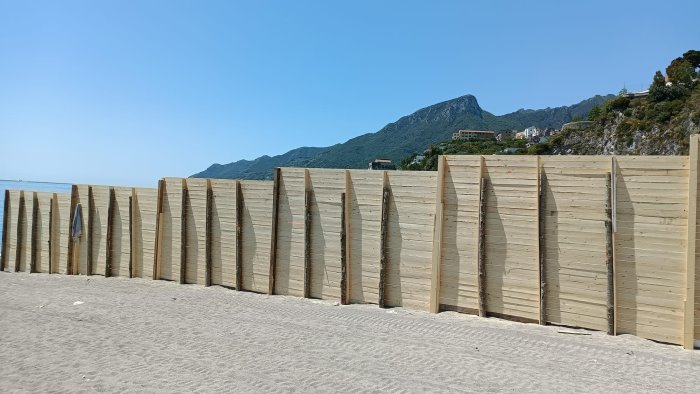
[658,124]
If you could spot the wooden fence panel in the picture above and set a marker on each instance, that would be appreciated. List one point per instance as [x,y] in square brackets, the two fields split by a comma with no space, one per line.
[460,234]
[24,241]
[410,238]
[12,223]
[650,248]
[172,216]
[290,233]
[61,223]
[43,237]
[195,271]
[365,199]
[512,260]
[100,195]
[144,227]
[327,186]
[575,197]
[256,234]
[224,233]
[121,236]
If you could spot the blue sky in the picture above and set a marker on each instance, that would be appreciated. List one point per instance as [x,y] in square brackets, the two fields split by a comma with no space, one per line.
[124,92]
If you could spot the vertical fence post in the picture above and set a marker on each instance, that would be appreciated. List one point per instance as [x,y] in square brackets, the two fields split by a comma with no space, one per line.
[689,310]
[273,240]
[158,255]
[90,231]
[347,209]
[183,231]
[132,244]
[541,249]
[343,251]
[110,231]
[20,233]
[308,195]
[5,225]
[383,242]
[34,246]
[481,248]
[239,236]
[609,262]
[208,234]
[613,216]
[438,224]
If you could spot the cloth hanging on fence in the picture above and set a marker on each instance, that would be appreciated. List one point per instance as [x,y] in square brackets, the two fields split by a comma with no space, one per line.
[76,226]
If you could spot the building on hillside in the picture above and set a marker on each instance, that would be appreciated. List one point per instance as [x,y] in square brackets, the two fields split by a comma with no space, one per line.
[520,135]
[532,131]
[381,164]
[504,136]
[418,159]
[471,135]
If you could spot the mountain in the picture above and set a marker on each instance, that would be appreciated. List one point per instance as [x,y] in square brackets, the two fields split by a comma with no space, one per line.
[409,134]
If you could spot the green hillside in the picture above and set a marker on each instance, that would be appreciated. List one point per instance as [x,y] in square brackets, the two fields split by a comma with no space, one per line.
[409,134]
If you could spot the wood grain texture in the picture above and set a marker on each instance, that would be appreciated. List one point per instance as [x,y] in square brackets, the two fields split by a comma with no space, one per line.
[144,225]
[171,222]
[256,239]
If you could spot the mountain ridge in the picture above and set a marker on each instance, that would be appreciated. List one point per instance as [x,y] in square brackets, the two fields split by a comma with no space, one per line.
[410,133]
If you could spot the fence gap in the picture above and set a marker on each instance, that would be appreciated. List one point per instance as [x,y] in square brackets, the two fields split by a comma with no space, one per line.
[239,236]
[208,234]
[347,210]
[5,225]
[110,232]
[158,255]
[91,218]
[51,232]
[183,231]
[438,223]
[481,248]
[308,195]
[343,251]
[383,242]
[34,246]
[20,238]
[273,240]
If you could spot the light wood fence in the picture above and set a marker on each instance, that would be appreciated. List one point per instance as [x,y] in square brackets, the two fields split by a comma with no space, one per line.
[605,243]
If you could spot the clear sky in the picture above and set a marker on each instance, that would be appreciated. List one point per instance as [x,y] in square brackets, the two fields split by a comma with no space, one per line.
[124,92]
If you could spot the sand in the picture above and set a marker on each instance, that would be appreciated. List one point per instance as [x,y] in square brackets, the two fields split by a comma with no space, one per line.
[69,334]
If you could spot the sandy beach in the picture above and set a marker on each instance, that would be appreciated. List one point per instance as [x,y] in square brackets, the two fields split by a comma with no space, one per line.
[80,334]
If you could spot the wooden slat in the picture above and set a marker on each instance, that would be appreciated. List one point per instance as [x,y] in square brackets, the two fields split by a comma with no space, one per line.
[90,230]
[308,195]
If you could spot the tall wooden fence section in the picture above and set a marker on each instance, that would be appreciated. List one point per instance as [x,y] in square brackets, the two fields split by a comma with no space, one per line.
[605,243]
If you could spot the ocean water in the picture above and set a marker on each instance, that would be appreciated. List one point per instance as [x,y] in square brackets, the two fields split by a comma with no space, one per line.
[28,186]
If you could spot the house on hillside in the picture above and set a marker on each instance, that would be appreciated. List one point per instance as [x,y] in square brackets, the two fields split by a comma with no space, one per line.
[472,135]
[532,131]
[381,164]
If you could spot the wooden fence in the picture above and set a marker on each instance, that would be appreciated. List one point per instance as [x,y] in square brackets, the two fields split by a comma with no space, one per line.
[605,243]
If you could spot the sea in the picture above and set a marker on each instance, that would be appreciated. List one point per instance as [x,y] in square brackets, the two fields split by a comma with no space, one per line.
[28,186]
